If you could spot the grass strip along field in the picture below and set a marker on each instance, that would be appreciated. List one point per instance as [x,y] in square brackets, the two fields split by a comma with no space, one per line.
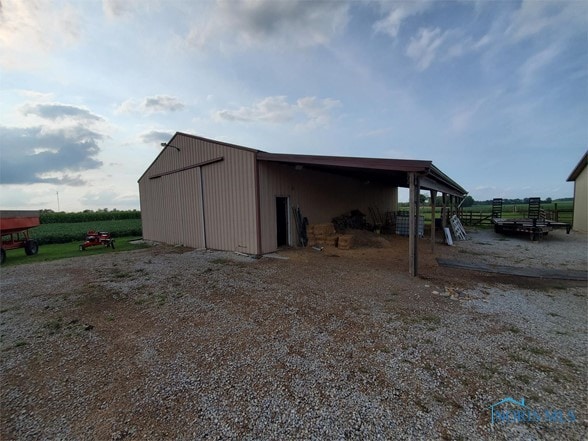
[64,250]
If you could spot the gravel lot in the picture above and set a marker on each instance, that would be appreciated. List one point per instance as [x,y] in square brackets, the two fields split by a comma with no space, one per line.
[172,343]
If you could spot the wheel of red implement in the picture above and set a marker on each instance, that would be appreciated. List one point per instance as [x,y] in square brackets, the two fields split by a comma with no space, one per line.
[2,256]
[31,247]
[82,248]
[112,243]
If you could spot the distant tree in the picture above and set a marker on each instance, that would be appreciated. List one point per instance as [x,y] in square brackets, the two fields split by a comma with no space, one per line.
[548,201]
[422,199]
[468,201]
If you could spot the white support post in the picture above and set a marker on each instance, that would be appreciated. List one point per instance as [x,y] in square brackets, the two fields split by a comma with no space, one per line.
[433,196]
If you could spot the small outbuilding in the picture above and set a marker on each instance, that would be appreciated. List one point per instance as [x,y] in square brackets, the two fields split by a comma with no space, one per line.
[209,194]
[579,177]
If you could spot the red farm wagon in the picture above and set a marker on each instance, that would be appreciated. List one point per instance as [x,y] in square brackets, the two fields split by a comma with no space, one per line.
[14,229]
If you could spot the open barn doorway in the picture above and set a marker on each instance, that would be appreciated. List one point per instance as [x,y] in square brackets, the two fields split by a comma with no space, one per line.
[282,221]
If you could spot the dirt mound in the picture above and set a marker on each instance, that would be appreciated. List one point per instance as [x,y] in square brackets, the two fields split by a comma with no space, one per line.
[369,239]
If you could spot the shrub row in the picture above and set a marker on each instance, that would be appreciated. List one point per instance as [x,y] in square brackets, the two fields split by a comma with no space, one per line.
[96,216]
[76,232]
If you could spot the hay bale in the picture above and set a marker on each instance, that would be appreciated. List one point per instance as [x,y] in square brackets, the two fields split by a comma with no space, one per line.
[324,229]
[332,240]
[345,241]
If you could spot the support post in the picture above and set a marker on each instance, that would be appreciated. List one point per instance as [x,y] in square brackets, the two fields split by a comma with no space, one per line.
[413,223]
[444,211]
[433,196]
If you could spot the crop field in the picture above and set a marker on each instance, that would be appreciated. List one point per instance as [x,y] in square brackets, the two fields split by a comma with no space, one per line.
[94,216]
[76,231]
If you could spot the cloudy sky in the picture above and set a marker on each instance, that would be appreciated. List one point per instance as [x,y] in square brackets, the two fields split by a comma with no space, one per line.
[495,93]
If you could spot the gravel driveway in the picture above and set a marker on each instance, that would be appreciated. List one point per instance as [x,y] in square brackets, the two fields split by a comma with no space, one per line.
[172,343]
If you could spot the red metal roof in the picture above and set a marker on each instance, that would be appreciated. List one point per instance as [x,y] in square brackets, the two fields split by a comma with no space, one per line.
[407,165]
[394,171]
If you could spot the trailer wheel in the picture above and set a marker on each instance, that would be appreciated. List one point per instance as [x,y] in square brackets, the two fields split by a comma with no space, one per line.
[82,248]
[112,244]
[2,256]
[31,247]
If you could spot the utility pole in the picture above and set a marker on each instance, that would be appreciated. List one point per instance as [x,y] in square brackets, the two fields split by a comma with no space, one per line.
[58,208]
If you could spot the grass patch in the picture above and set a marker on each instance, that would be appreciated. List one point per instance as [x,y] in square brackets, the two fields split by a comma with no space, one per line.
[431,319]
[517,358]
[567,362]
[54,325]
[539,351]
[563,333]
[525,379]
[161,299]
[17,344]
[66,250]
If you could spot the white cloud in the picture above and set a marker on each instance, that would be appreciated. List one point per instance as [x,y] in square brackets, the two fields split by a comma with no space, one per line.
[423,49]
[45,154]
[253,23]
[461,45]
[531,67]
[119,8]
[432,45]
[536,17]
[110,198]
[155,137]
[58,111]
[462,119]
[30,30]
[307,111]
[398,12]
[52,144]
[375,132]
[151,104]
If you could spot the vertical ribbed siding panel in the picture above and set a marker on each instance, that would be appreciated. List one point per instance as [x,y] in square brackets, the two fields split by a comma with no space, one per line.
[321,196]
[229,197]
[171,204]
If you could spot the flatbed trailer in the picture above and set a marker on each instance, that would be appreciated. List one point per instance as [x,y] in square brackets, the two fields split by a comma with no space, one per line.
[14,230]
[536,228]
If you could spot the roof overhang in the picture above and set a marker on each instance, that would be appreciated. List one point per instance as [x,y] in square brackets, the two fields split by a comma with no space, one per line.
[578,169]
[389,171]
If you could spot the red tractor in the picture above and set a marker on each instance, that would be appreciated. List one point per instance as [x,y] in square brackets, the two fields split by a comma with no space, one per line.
[94,239]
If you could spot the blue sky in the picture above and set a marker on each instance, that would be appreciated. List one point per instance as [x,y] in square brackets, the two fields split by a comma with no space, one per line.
[495,93]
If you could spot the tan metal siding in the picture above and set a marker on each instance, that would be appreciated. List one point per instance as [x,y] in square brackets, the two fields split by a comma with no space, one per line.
[171,204]
[321,196]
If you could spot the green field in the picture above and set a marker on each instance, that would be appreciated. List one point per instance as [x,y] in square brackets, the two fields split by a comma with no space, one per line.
[76,231]
[64,250]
